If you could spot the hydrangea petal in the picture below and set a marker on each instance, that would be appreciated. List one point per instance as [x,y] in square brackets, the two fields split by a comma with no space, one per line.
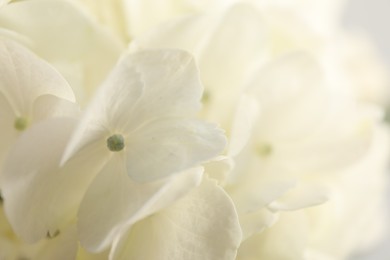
[142,87]
[71,37]
[8,132]
[34,184]
[4,2]
[178,34]
[296,101]
[113,202]
[238,31]
[286,239]
[47,106]
[170,146]
[62,247]
[24,77]
[302,196]
[245,117]
[255,222]
[219,168]
[202,225]
[326,131]
[242,27]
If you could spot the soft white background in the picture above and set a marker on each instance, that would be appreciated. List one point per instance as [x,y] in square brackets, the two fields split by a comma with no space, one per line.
[372,16]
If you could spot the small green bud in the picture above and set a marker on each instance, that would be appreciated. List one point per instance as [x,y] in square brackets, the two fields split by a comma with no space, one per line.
[206,97]
[21,123]
[115,143]
[264,150]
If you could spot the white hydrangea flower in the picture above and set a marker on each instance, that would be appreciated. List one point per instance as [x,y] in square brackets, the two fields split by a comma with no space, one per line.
[280,78]
[131,18]
[247,44]
[135,119]
[297,120]
[61,33]
[310,233]
[145,109]
[30,91]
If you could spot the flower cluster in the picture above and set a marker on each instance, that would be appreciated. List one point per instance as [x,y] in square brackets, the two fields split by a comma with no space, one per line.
[188,130]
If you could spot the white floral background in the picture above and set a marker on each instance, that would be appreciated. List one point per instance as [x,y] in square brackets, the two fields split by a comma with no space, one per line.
[372,17]
[321,107]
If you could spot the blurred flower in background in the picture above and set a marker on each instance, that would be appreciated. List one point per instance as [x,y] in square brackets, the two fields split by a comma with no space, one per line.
[369,20]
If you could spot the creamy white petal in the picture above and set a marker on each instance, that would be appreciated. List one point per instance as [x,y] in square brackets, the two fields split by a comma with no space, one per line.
[113,202]
[202,225]
[254,194]
[286,239]
[302,196]
[62,247]
[85,255]
[292,97]
[309,126]
[4,2]
[47,106]
[34,185]
[170,145]
[245,117]
[114,102]
[346,142]
[142,15]
[237,32]
[110,13]
[24,77]
[172,84]
[61,31]
[240,33]
[15,36]
[178,33]
[8,131]
[219,168]
[142,87]
[256,222]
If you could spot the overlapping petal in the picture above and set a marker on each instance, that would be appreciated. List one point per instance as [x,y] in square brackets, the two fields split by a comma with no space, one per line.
[26,82]
[62,33]
[113,202]
[286,239]
[24,77]
[171,145]
[148,99]
[202,225]
[238,32]
[32,174]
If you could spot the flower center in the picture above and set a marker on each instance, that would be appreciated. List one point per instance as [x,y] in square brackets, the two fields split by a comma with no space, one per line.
[115,143]
[206,97]
[21,123]
[264,149]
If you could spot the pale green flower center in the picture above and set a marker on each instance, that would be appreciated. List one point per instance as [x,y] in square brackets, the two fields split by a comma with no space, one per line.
[206,97]
[387,115]
[21,123]
[115,143]
[264,149]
